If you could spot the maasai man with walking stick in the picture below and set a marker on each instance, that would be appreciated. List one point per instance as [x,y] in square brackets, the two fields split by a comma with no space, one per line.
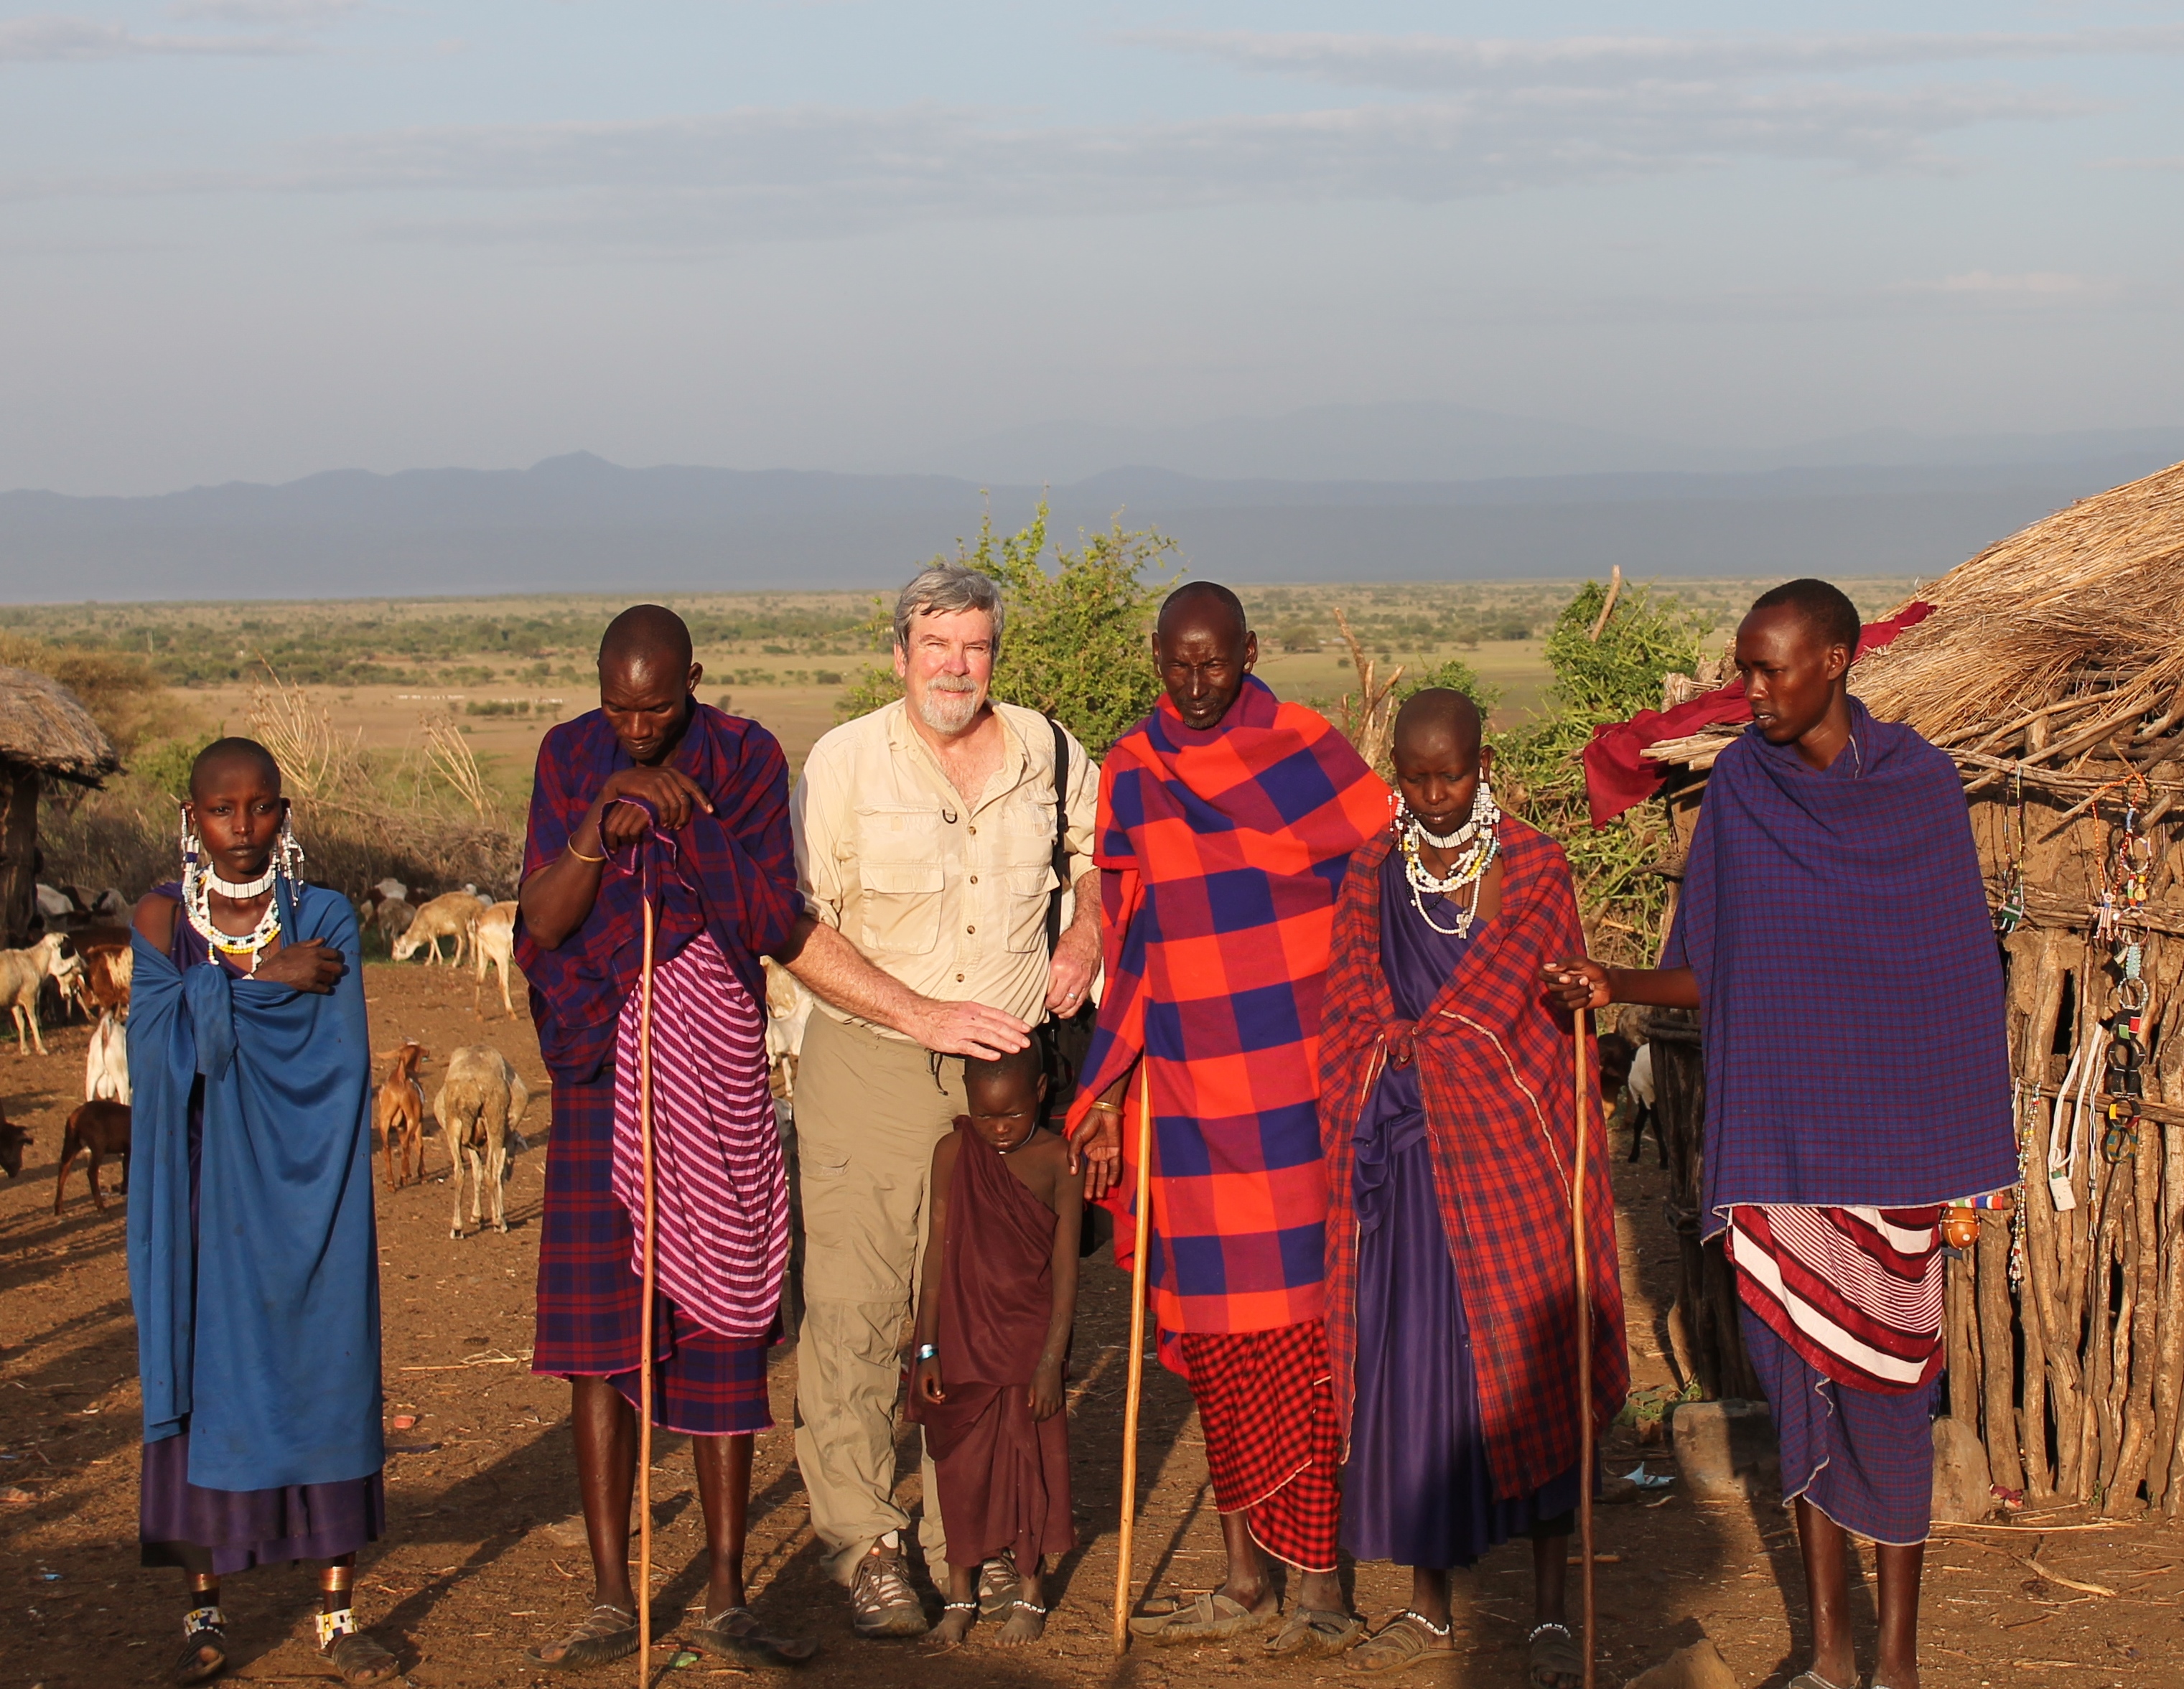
[656,798]
[1446,1094]
[1225,822]
[1833,931]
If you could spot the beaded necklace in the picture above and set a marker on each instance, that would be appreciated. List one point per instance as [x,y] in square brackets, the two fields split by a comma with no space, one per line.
[199,882]
[1477,842]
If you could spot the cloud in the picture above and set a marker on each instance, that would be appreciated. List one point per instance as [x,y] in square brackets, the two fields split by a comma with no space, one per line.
[55,40]
[2028,288]
[763,173]
[308,14]
[1423,63]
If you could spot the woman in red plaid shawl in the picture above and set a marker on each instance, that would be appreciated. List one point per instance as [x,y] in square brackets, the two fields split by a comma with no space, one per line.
[1225,819]
[655,796]
[1451,1312]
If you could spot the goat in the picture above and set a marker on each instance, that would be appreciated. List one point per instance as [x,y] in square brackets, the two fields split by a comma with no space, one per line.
[398,1113]
[108,972]
[23,976]
[452,914]
[393,891]
[102,1129]
[393,918]
[493,944]
[480,1104]
[106,1066]
[13,1141]
[787,1009]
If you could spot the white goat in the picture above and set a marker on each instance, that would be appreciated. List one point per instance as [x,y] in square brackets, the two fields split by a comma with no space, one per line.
[787,1009]
[479,1104]
[22,975]
[106,1067]
[451,915]
[493,944]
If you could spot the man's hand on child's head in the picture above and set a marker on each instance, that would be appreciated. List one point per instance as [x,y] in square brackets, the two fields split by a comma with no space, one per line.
[926,1381]
[1046,1392]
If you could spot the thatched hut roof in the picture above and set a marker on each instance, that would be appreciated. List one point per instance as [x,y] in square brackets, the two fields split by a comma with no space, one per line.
[42,726]
[2056,648]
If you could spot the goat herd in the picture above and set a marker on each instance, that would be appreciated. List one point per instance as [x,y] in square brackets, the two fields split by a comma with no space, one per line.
[84,966]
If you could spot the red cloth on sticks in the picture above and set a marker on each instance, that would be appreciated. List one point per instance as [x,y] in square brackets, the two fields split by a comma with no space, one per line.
[1269,1416]
[1004,1476]
[1495,1068]
[1617,774]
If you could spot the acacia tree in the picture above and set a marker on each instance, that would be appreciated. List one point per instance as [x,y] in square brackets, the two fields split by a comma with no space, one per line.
[1074,644]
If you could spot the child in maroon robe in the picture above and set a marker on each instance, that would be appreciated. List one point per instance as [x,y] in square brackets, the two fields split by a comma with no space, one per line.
[993,1332]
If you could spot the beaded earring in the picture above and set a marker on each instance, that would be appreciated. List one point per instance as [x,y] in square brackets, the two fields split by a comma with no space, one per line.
[288,853]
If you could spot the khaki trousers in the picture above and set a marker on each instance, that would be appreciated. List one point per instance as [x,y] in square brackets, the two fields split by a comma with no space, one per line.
[868,1113]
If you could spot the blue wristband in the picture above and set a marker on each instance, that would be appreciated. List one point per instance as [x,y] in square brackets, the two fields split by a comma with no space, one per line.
[929,1352]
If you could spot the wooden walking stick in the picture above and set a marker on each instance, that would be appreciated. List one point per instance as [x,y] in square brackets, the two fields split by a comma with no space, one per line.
[1582,1042]
[1134,1393]
[644,1321]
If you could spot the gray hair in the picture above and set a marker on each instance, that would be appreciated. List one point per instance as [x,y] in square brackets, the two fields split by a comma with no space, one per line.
[942,590]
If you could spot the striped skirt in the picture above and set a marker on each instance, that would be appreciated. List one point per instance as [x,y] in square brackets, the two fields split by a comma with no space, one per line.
[704,1384]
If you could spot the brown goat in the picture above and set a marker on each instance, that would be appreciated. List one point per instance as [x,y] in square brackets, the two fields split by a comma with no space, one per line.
[102,1129]
[13,1141]
[400,1113]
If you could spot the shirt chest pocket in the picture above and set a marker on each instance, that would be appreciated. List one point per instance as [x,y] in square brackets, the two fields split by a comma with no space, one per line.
[1026,871]
[900,870]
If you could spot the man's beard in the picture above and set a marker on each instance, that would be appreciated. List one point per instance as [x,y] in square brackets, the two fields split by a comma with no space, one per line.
[950,702]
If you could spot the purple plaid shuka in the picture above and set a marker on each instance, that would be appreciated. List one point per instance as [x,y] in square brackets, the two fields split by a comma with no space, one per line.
[1851,987]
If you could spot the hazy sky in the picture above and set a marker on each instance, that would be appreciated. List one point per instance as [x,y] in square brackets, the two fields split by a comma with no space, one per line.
[256,238]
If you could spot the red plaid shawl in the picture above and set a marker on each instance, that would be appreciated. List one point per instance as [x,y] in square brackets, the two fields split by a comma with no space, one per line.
[1495,1061]
[1221,853]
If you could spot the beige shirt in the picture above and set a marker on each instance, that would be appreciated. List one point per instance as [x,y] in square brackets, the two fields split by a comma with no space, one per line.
[948,895]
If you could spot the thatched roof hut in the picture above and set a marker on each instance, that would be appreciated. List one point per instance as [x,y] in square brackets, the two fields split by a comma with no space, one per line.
[2052,671]
[44,733]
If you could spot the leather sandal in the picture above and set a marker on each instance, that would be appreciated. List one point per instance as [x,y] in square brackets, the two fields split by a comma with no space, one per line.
[734,1635]
[355,1656]
[204,1631]
[1555,1656]
[606,1635]
[1211,1618]
[997,1586]
[1405,1640]
[1311,1631]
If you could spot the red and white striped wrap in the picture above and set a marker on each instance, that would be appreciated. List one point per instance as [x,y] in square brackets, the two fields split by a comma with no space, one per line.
[1856,1291]
[722,1188]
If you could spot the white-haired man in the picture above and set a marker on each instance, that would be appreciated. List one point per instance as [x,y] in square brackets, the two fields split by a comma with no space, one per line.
[926,836]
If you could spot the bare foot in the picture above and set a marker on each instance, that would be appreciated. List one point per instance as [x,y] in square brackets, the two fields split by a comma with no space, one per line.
[1027,1625]
[956,1621]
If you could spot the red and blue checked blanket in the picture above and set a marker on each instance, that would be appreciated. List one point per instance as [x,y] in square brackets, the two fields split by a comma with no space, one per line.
[721,1188]
[1856,1291]
[1221,852]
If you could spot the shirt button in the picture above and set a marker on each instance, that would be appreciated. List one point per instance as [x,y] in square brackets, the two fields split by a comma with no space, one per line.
[974,831]
[959,979]
[970,928]
[974,879]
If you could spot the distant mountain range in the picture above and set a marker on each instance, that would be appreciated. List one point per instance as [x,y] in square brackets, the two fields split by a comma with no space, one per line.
[1312,502]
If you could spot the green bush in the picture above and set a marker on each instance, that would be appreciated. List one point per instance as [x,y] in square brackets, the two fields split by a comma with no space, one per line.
[1074,645]
[1457,676]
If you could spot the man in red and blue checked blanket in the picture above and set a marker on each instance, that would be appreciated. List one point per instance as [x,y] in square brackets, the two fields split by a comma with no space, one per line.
[1834,933]
[1445,1096]
[1225,822]
[655,796]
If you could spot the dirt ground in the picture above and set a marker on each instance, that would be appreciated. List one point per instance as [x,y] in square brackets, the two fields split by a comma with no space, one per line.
[482,1560]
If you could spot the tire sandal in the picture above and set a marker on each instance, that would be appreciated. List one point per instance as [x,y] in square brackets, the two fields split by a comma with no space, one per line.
[203,1628]
[1211,1618]
[1406,1640]
[997,1586]
[733,1635]
[355,1656]
[1555,1655]
[607,1634]
[1315,1630]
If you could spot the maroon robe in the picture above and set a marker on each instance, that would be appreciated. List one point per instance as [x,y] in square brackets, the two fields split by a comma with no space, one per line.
[1003,1477]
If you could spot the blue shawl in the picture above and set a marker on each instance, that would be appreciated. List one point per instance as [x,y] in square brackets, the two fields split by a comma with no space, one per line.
[276,1307]
[1849,980]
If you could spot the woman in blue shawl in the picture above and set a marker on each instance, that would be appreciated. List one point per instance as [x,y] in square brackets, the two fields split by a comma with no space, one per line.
[254,1261]
[1834,935]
